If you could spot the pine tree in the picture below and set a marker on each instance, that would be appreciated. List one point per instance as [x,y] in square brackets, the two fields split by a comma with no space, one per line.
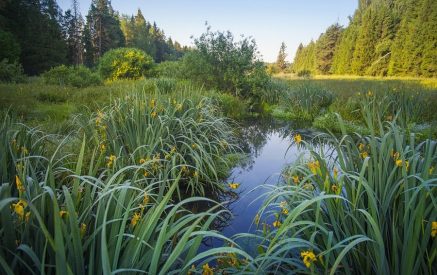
[281,63]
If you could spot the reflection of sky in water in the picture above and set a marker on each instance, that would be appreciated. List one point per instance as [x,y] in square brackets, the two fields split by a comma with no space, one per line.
[265,169]
[272,149]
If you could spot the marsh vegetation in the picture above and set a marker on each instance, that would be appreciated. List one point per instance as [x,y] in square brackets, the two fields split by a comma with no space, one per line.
[138,155]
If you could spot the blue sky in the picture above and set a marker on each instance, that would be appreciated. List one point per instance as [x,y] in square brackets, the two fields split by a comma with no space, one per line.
[270,21]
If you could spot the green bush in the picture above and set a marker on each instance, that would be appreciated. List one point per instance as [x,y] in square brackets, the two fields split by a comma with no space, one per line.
[220,62]
[10,49]
[128,63]
[169,69]
[71,76]
[11,72]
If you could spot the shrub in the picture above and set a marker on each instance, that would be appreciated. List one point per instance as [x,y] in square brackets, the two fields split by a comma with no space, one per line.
[220,62]
[232,106]
[71,76]
[169,69]
[11,72]
[129,63]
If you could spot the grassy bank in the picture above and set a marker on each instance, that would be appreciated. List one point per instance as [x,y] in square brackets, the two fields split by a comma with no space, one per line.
[319,100]
[429,83]
[52,106]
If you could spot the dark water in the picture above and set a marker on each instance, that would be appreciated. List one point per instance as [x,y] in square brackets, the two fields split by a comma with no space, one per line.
[270,148]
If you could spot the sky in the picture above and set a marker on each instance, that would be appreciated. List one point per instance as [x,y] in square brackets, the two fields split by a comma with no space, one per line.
[269,22]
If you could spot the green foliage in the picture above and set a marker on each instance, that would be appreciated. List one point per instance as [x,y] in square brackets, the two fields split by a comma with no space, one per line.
[165,85]
[330,122]
[281,63]
[144,35]
[325,48]
[304,73]
[222,63]
[394,38]
[11,72]
[305,58]
[306,101]
[115,194]
[272,69]
[169,69]
[36,27]
[232,106]
[102,31]
[72,76]
[10,49]
[126,63]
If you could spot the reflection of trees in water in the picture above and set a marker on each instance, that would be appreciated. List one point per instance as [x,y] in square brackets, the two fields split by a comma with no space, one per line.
[254,134]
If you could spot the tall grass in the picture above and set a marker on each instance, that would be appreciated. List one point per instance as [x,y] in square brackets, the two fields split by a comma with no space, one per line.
[369,207]
[114,196]
[177,134]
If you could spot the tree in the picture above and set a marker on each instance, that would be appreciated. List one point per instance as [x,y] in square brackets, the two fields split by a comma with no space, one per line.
[104,28]
[220,62]
[395,37]
[326,46]
[305,58]
[141,34]
[10,49]
[73,32]
[282,55]
[36,27]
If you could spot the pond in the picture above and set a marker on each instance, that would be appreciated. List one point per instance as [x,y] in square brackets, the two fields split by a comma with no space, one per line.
[269,145]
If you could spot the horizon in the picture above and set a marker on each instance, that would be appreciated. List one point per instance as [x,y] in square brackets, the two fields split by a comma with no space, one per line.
[291,22]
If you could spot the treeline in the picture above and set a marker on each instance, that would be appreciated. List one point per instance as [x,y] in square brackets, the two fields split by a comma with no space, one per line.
[38,35]
[383,38]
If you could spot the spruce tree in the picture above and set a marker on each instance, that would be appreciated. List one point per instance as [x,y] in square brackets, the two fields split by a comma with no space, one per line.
[326,46]
[36,26]
[281,63]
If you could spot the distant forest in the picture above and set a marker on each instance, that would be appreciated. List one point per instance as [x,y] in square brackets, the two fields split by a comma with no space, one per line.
[383,38]
[37,34]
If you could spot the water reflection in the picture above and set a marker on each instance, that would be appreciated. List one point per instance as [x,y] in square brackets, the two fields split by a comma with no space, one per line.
[269,146]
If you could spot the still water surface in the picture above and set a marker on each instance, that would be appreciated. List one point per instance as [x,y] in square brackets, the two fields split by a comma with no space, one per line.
[270,147]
